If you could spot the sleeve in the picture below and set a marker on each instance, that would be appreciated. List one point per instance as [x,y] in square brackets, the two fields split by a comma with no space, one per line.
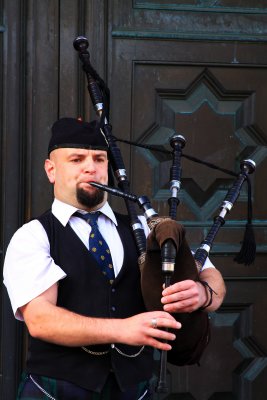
[207,264]
[29,269]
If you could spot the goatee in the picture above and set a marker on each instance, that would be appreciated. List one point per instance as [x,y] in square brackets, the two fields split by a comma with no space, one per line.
[90,200]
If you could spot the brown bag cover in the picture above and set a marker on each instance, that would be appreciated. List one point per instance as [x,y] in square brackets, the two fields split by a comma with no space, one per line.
[193,337]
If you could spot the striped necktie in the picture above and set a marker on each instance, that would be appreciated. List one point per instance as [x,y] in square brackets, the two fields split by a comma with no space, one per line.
[98,246]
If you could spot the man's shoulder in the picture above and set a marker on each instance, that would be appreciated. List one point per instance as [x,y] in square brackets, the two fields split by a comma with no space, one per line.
[29,231]
[47,220]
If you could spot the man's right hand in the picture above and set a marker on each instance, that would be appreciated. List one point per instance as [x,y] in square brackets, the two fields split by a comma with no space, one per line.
[148,329]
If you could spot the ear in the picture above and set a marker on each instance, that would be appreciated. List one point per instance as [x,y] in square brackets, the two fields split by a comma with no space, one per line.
[50,169]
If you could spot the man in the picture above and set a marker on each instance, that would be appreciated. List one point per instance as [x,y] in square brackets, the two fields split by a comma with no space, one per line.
[89,335]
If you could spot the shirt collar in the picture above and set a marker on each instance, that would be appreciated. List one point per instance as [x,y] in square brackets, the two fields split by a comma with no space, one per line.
[63,211]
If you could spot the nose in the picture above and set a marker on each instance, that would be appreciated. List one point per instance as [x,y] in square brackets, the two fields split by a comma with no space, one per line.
[89,165]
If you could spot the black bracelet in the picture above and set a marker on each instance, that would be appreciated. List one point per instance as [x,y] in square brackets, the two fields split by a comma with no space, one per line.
[211,291]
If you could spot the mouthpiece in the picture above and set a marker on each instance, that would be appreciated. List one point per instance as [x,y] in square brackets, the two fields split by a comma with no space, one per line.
[81,44]
[114,191]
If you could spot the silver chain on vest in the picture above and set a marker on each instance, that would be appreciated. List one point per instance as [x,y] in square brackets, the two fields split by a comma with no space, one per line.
[101,353]
[42,389]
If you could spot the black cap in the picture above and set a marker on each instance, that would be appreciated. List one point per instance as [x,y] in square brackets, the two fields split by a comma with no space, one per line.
[73,133]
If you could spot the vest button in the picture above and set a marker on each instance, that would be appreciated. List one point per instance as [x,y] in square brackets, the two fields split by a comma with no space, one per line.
[113,308]
[113,290]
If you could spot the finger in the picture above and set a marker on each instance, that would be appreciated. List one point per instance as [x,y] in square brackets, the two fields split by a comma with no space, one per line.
[175,309]
[188,305]
[178,296]
[159,314]
[178,287]
[159,345]
[162,335]
[164,323]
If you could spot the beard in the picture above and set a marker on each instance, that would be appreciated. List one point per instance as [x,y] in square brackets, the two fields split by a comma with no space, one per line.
[90,200]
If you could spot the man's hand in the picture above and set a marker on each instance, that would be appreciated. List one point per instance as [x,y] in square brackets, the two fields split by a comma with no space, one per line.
[188,295]
[184,296]
[146,329]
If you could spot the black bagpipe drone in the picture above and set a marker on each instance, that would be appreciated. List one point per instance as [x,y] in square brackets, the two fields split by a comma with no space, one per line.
[165,256]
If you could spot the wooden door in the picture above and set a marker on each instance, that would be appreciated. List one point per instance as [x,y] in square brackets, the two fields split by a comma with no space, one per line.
[199,69]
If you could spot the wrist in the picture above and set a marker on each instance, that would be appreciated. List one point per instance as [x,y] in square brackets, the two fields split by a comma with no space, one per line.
[209,294]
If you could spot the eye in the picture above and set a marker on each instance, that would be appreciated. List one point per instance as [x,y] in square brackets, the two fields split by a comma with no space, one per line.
[75,160]
[100,159]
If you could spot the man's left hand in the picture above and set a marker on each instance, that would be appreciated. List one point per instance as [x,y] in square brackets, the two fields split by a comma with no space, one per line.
[184,296]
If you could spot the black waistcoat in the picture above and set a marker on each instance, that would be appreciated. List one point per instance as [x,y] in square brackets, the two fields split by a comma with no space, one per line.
[86,291]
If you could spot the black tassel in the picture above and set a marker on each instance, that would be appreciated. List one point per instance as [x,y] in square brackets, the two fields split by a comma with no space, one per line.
[247,252]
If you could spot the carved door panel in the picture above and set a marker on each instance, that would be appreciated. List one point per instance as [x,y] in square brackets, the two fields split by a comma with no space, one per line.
[198,71]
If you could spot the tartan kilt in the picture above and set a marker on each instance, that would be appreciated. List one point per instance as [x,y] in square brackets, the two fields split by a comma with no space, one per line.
[35,387]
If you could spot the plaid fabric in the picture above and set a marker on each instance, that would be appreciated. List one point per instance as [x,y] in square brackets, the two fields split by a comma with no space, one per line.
[61,390]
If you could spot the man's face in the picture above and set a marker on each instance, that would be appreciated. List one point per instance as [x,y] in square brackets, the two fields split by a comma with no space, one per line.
[72,170]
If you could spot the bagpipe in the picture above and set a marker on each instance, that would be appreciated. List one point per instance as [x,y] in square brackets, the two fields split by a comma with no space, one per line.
[165,256]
